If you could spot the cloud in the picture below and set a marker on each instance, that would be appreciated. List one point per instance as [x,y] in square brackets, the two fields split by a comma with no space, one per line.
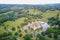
[28,1]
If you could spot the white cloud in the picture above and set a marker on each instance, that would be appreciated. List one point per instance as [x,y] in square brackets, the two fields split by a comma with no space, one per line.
[28,1]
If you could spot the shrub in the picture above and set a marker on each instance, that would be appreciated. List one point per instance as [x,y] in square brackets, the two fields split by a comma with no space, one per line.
[50,35]
[43,33]
[55,36]
[19,31]
[20,35]
[18,27]
[27,37]
[13,28]
[5,28]
[16,33]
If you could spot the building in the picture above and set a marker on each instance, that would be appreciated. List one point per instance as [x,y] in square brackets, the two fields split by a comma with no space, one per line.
[36,26]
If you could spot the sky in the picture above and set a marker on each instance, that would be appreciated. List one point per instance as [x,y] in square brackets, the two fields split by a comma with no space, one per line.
[29,1]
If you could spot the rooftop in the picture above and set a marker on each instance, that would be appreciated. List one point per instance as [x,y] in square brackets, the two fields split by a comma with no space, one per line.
[35,25]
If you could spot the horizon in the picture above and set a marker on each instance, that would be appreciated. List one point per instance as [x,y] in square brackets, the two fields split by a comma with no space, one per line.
[32,4]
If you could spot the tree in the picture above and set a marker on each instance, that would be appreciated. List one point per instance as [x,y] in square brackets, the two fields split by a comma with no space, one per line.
[20,35]
[16,33]
[55,36]
[43,33]
[13,29]
[13,38]
[40,37]
[54,20]
[50,35]
[27,37]
[18,27]
[19,31]
[5,28]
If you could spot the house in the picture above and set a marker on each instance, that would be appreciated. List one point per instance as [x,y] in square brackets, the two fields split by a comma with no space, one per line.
[36,26]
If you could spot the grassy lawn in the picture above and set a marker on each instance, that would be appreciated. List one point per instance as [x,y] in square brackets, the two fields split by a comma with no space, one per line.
[15,23]
[35,12]
[2,30]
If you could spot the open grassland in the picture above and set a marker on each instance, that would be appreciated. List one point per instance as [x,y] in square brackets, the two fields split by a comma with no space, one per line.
[15,23]
[19,21]
[33,11]
[30,15]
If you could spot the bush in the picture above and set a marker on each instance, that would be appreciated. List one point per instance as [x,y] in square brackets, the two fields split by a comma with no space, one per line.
[13,29]
[50,35]
[55,36]
[9,33]
[43,33]
[5,28]
[27,37]
[13,38]
[25,31]
[19,31]
[40,37]
[20,35]
[16,33]
[18,27]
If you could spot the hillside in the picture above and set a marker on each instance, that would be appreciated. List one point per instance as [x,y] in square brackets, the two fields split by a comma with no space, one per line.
[14,16]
